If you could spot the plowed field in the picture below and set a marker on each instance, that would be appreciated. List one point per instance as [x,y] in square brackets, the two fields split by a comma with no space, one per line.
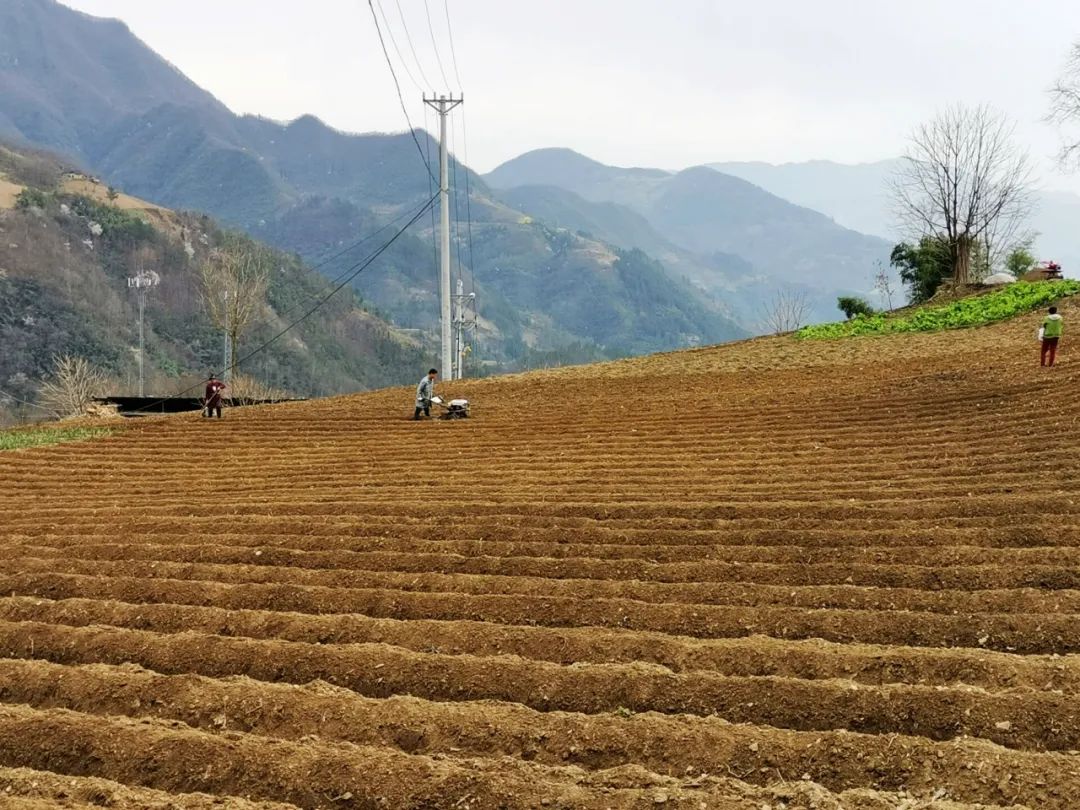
[776,574]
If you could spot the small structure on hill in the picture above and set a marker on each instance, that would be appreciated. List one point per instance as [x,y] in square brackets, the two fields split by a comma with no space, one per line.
[150,406]
[1046,271]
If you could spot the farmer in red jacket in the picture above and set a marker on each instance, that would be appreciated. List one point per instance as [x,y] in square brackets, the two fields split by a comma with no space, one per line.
[212,400]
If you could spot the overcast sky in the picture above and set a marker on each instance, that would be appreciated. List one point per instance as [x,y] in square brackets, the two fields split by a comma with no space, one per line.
[633,82]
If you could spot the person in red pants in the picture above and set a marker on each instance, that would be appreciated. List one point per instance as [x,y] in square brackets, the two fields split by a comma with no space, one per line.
[1050,333]
[212,400]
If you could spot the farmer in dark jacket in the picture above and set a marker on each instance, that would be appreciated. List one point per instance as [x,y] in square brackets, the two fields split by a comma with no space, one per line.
[212,400]
[425,390]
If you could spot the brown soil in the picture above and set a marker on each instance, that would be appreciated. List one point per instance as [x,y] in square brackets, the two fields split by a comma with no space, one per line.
[774,574]
[8,192]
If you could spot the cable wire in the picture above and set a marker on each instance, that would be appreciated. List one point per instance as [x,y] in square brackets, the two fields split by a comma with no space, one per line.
[342,252]
[453,50]
[457,210]
[397,85]
[468,200]
[353,272]
[397,50]
[434,233]
[5,395]
[408,37]
[435,45]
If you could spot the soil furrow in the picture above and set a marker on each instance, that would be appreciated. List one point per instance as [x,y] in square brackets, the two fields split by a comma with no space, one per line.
[576,578]
[751,656]
[310,773]
[65,790]
[974,578]
[1021,633]
[313,775]
[1027,719]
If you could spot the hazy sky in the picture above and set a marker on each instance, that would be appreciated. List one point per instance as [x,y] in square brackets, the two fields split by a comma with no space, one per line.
[633,82]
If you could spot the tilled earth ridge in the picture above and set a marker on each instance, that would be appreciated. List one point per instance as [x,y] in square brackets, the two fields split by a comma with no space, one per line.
[774,574]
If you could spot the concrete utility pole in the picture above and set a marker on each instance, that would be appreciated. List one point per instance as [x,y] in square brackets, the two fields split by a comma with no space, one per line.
[464,321]
[226,366]
[443,105]
[141,282]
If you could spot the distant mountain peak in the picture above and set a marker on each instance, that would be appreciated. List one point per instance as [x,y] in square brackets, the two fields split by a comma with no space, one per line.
[559,166]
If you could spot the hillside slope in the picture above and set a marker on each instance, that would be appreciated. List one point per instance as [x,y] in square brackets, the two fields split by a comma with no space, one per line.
[706,212]
[66,77]
[64,263]
[621,226]
[304,187]
[779,573]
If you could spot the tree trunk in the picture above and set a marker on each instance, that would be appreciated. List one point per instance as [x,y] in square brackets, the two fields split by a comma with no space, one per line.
[961,257]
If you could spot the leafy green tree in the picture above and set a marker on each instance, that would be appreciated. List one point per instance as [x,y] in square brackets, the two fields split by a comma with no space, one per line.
[924,266]
[1020,260]
[852,305]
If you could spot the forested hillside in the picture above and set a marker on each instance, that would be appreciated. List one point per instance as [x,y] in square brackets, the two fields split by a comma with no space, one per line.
[66,251]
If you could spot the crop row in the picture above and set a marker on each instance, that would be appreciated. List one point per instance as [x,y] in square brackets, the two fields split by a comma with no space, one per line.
[1022,633]
[747,657]
[1024,719]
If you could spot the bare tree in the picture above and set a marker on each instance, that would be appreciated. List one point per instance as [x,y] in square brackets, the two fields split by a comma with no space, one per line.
[785,311]
[964,181]
[72,386]
[246,387]
[235,279]
[1065,108]
[884,284]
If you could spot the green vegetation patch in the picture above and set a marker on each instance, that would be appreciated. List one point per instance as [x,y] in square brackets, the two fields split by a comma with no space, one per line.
[1016,299]
[22,439]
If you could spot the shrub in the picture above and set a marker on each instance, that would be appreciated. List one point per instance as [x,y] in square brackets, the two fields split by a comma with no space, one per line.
[249,388]
[851,306]
[73,385]
[31,198]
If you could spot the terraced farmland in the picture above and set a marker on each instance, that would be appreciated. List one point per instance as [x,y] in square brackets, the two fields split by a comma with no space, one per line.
[778,574]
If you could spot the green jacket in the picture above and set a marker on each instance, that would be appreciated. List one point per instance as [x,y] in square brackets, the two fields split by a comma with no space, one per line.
[1053,326]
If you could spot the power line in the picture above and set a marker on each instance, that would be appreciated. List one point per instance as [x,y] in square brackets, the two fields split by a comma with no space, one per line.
[468,198]
[397,50]
[457,210]
[434,44]
[434,232]
[342,252]
[5,394]
[352,272]
[408,37]
[397,85]
[453,51]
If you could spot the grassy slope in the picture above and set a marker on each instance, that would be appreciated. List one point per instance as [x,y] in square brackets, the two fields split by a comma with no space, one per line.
[43,437]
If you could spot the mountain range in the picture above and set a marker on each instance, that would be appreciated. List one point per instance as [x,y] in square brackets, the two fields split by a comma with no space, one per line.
[708,213]
[571,259]
[857,196]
